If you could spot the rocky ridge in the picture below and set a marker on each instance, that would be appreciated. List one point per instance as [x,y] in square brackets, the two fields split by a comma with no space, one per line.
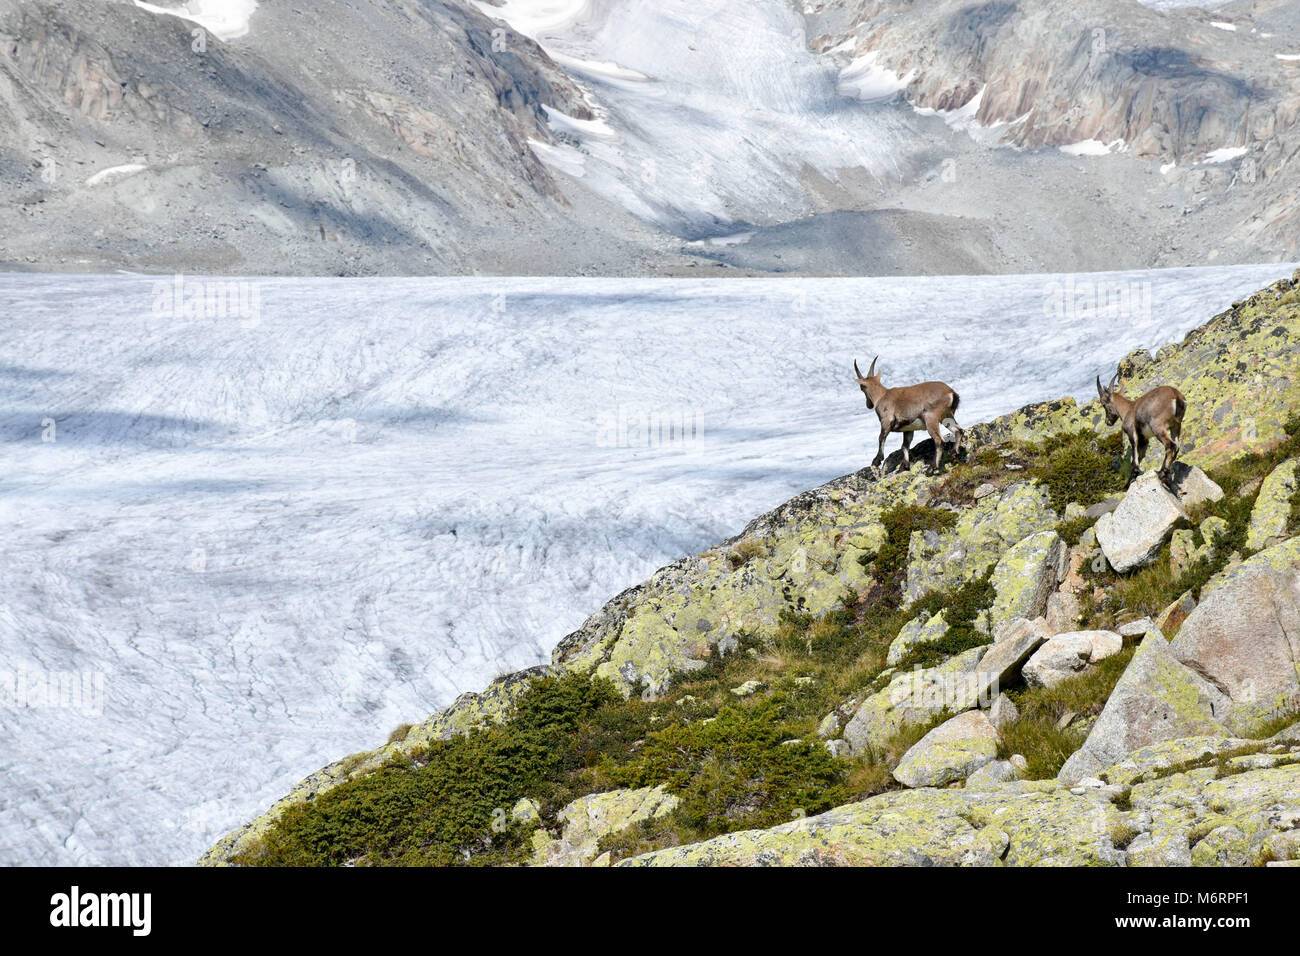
[1179,744]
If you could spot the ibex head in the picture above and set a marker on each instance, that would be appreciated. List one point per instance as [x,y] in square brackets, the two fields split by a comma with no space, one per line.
[1107,395]
[869,381]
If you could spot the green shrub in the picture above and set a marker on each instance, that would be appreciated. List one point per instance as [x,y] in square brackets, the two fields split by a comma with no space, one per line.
[1080,466]
[447,803]
[736,771]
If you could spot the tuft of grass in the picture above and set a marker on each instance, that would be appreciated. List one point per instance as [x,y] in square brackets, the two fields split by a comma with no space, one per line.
[399,733]
[1034,733]
[746,550]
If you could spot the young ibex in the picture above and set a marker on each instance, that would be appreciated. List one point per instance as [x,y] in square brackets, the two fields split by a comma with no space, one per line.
[1158,413]
[909,410]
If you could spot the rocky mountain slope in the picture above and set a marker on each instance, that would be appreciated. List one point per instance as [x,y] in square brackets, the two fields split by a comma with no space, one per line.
[437,138]
[1210,97]
[899,668]
[330,138]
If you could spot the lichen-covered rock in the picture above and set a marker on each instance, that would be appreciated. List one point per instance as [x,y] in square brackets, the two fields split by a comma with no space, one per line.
[952,751]
[1067,654]
[1157,699]
[1268,519]
[526,811]
[1206,820]
[915,697]
[596,815]
[992,774]
[1003,711]
[1131,536]
[982,534]
[1016,641]
[1025,576]
[1171,618]
[1158,760]
[1191,486]
[1062,612]
[1244,637]
[916,633]
[1026,823]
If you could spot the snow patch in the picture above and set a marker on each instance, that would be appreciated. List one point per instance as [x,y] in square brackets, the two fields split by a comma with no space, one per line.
[1092,147]
[865,80]
[115,172]
[565,158]
[1221,25]
[1225,155]
[224,19]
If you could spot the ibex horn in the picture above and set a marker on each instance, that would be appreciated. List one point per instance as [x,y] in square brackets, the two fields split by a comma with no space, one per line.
[872,371]
[1114,381]
[856,371]
[1100,391]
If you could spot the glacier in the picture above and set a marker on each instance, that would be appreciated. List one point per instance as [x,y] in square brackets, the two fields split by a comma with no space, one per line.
[278,517]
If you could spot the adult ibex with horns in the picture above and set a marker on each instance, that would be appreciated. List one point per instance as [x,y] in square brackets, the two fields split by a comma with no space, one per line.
[1158,414]
[909,410]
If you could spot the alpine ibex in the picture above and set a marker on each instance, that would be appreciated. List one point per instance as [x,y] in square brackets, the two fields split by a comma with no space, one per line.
[909,410]
[1158,414]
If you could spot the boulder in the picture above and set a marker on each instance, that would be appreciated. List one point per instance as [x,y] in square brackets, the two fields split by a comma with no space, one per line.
[1131,536]
[1268,519]
[1003,711]
[993,774]
[940,561]
[1062,612]
[1191,486]
[589,818]
[950,752]
[1002,661]
[1171,618]
[1136,628]
[1156,699]
[1025,577]
[1067,654]
[1182,550]
[1102,508]
[1244,637]
[921,630]
[915,697]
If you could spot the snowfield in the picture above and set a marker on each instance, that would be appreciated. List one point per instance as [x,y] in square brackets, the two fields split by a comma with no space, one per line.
[270,536]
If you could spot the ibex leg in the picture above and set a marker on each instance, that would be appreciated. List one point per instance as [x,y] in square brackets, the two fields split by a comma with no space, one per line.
[880,453]
[907,456]
[932,426]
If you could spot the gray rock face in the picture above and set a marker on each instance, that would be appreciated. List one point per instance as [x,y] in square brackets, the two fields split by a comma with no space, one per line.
[1002,661]
[952,751]
[914,697]
[914,634]
[1025,577]
[1244,637]
[1191,486]
[993,774]
[1068,654]
[1003,711]
[1157,699]
[1131,536]
[1062,612]
[1268,519]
